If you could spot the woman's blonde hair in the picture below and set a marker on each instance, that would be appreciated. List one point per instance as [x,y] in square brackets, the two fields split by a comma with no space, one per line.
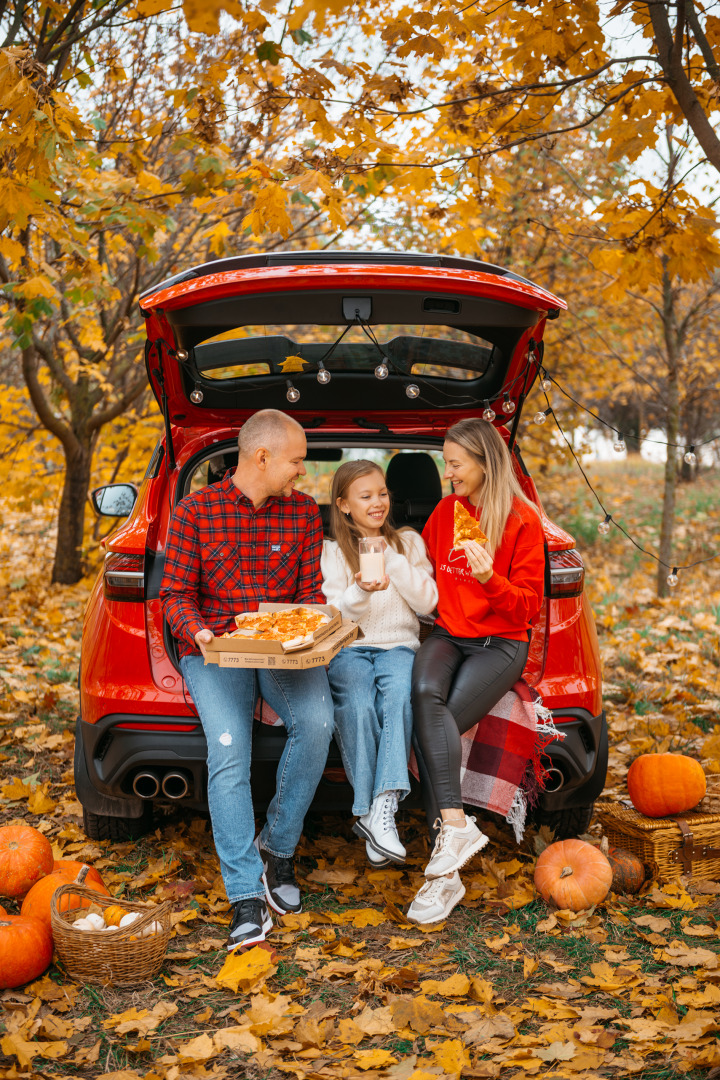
[500,486]
[342,527]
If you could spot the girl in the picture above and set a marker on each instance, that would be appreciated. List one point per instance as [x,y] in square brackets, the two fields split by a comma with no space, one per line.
[488,598]
[370,679]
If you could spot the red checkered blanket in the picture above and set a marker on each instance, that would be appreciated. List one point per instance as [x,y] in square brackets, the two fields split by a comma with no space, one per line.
[502,767]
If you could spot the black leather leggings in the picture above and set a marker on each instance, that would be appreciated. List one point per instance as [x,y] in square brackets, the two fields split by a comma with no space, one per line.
[455,682]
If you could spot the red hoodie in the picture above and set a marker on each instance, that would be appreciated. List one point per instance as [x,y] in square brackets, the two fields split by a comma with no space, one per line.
[509,602]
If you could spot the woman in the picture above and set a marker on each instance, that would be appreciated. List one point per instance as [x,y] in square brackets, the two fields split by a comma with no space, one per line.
[488,599]
[370,679]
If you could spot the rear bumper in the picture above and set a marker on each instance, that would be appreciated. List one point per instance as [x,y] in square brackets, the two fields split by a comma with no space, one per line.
[581,757]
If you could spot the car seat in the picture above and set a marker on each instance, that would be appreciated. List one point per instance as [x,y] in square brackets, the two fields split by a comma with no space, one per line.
[416,488]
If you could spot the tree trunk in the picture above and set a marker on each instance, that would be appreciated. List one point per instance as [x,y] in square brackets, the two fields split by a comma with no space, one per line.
[673,428]
[68,565]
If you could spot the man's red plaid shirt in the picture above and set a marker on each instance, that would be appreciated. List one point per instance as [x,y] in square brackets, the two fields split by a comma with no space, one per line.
[223,556]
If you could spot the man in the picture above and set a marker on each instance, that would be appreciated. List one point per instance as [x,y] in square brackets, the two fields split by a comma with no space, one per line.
[247,539]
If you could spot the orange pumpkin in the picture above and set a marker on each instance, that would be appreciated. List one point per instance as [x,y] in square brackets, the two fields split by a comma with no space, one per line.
[25,950]
[663,784]
[628,871]
[37,902]
[72,869]
[2,911]
[25,857]
[114,914]
[573,874]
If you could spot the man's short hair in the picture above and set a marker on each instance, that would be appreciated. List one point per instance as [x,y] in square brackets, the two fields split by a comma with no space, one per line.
[268,429]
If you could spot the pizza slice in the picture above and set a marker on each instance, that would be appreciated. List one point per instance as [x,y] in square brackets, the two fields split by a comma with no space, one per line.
[466,527]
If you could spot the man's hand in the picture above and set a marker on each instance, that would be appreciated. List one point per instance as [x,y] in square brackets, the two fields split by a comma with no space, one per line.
[373,586]
[203,638]
[481,565]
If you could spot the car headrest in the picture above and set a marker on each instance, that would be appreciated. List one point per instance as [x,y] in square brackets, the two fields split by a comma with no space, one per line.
[414,476]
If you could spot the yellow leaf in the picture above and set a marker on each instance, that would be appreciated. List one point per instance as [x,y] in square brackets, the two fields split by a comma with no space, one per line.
[456,986]
[152,7]
[39,802]
[201,16]
[199,1049]
[246,970]
[237,1038]
[452,1057]
[15,789]
[35,286]
[404,942]
[373,1059]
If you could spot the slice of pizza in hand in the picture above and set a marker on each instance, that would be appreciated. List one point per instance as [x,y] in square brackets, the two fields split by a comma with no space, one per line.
[466,528]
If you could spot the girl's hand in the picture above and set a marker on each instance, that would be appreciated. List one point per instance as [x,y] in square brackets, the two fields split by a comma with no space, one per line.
[373,586]
[481,565]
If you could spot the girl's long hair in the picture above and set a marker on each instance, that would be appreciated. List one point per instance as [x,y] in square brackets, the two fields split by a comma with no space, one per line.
[342,527]
[500,486]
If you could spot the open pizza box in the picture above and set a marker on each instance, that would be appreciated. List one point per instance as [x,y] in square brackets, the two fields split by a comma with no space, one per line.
[326,641]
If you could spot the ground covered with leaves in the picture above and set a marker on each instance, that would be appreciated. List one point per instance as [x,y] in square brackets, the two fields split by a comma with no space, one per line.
[506,986]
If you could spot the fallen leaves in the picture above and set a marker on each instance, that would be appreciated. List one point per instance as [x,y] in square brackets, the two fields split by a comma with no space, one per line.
[246,970]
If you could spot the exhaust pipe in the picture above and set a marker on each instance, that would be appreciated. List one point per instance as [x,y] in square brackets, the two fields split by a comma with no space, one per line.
[146,785]
[554,779]
[175,785]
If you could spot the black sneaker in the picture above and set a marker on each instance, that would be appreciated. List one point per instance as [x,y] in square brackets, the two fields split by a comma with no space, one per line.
[281,888]
[251,923]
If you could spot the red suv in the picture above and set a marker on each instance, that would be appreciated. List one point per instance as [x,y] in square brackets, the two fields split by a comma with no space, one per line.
[376,354]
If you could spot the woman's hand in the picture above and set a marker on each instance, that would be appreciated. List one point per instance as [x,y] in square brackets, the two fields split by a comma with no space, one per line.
[481,565]
[373,586]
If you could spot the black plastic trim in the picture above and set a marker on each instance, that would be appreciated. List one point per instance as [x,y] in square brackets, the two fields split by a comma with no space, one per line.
[582,757]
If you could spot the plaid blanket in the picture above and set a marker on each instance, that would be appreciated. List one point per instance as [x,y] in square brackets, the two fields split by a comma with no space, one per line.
[502,767]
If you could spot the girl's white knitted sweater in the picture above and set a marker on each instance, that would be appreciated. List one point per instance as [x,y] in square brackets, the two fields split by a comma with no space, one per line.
[387,618]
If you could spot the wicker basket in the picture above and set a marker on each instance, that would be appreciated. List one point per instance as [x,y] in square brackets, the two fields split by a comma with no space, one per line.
[669,847]
[103,958]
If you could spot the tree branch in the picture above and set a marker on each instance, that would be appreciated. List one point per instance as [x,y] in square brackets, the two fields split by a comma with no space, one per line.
[49,420]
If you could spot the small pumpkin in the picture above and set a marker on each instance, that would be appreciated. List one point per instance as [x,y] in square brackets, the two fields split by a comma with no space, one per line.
[628,871]
[663,784]
[25,857]
[37,902]
[113,914]
[25,950]
[573,874]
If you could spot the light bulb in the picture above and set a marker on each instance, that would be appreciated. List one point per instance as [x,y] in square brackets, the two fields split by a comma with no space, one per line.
[412,390]
[672,579]
[689,458]
[540,417]
[182,354]
[604,526]
[323,375]
[196,396]
[293,394]
[619,445]
[545,384]
[508,406]
[382,371]
[488,413]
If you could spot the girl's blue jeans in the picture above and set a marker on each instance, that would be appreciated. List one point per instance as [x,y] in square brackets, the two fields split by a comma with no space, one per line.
[373,719]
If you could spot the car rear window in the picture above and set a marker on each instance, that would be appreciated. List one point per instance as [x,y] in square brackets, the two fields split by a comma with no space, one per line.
[431,351]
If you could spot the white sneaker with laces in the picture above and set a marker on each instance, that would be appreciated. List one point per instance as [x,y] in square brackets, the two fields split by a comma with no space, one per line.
[455,845]
[378,827]
[436,899]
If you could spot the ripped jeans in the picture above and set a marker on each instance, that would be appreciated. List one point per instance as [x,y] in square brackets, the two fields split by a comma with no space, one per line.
[225,700]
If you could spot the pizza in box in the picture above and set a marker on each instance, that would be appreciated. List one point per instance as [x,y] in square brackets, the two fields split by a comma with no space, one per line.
[292,627]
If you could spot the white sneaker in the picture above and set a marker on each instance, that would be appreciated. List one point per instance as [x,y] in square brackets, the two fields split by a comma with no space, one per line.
[455,845]
[378,828]
[436,899]
[375,860]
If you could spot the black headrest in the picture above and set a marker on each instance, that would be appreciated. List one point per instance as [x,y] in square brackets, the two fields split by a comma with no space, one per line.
[414,476]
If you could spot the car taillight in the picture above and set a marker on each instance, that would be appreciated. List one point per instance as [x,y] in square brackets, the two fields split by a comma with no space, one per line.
[124,576]
[567,574]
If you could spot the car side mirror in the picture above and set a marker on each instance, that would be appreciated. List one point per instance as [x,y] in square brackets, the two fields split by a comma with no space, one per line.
[114,500]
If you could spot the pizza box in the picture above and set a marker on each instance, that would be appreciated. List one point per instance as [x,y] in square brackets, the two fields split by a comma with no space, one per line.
[318,655]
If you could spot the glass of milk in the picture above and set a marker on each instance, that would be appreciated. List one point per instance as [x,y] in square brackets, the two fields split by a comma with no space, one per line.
[372,560]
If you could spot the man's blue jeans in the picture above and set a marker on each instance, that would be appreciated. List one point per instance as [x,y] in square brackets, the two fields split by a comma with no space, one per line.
[373,719]
[225,700]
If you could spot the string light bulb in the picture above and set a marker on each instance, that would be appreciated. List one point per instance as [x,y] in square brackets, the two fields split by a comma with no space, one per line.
[672,578]
[540,417]
[545,383]
[619,445]
[507,406]
[488,413]
[604,526]
[323,375]
[182,355]
[382,371]
[689,457]
[196,395]
[412,390]
[293,394]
